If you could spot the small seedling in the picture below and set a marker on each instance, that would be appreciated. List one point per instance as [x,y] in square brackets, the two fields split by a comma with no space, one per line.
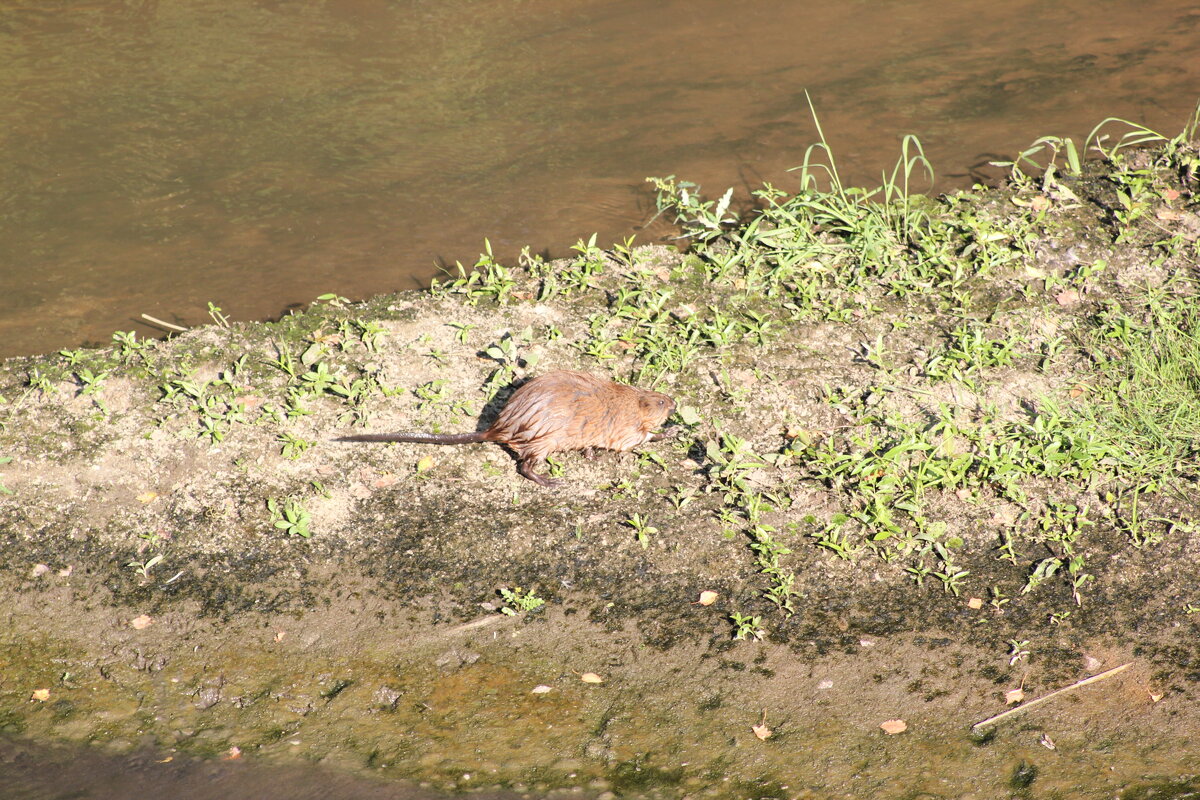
[143,567]
[642,528]
[214,311]
[519,601]
[746,627]
[290,516]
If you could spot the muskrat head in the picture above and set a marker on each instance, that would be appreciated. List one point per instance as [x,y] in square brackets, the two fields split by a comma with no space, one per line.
[656,407]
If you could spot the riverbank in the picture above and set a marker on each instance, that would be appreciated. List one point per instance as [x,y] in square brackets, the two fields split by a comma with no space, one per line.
[935,451]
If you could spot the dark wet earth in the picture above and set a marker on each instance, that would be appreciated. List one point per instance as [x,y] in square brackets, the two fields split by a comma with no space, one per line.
[161,156]
[39,772]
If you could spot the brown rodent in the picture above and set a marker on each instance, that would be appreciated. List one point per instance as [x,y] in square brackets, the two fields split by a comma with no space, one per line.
[562,410]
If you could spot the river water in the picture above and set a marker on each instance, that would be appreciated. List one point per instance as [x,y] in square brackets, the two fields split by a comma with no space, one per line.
[159,156]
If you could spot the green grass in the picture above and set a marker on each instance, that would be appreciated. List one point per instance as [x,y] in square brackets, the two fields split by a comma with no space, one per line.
[1145,403]
[914,459]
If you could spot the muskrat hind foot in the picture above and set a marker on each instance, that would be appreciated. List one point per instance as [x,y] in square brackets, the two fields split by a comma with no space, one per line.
[526,469]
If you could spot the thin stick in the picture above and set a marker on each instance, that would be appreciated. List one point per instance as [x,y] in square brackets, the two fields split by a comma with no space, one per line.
[1102,676]
[167,325]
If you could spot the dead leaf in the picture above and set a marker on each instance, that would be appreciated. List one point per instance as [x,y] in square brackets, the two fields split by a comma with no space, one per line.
[1170,195]
[963,494]
[146,497]
[894,726]
[1013,696]
[1154,698]
[865,643]
[825,685]
[707,598]
[761,730]
[1167,215]
[40,695]
[424,464]
[542,688]
[384,481]
[1047,742]
[591,677]
[39,570]
[279,635]
[139,623]
[1067,297]
[166,760]
[233,752]
[975,604]
[1076,391]
[1004,516]
[66,571]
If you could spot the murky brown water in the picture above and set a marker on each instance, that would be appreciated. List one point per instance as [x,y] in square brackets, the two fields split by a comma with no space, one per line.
[33,771]
[257,154]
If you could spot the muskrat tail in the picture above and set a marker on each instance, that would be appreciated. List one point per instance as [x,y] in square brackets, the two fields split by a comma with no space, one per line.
[420,438]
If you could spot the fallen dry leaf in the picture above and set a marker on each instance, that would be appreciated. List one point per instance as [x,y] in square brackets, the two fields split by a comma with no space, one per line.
[1170,195]
[825,685]
[384,481]
[542,688]
[974,604]
[1076,391]
[65,572]
[424,464]
[233,752]
[1154,698]
[39,570]
[591,677]
[894,726]
[146,497]
[144,621]
[865,643]
[761,730]
[1047,742]
[707,598]
[1068,297]
[1166,215]
[279,635]
[1005,516]
[41,695]
[1013,696]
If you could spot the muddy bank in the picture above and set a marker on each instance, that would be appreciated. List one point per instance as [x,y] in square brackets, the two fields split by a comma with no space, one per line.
[896,474]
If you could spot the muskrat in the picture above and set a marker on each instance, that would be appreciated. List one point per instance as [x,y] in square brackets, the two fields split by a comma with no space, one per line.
[561,410]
